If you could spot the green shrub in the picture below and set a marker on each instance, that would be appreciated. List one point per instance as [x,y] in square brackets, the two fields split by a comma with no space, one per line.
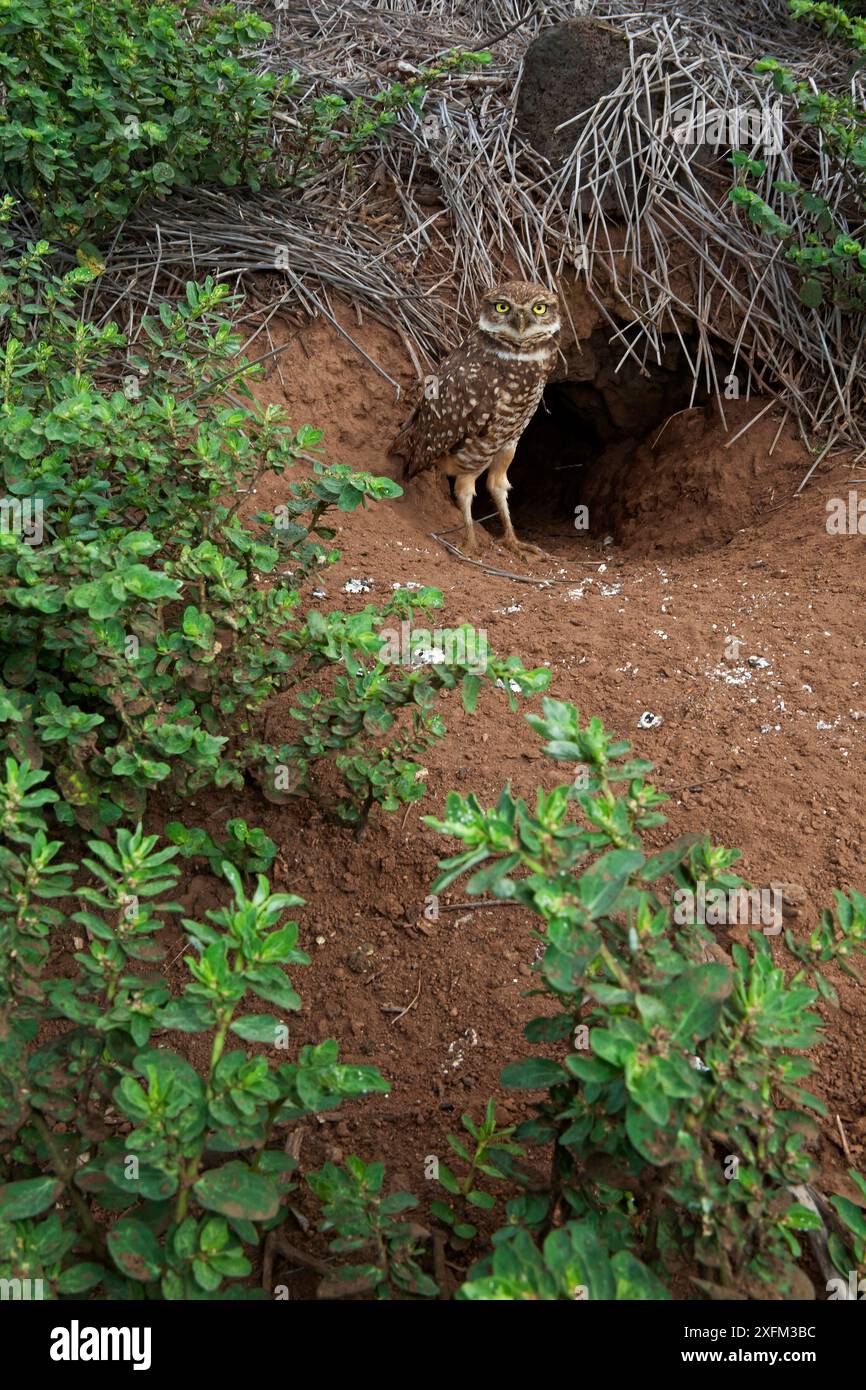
[109,105]
[829,261]
[158,1177]
[248,848]
[142,634]
[328,120]
[674,1109]
[369,1224]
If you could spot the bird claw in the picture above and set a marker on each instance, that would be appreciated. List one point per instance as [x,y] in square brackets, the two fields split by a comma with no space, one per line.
[525,550]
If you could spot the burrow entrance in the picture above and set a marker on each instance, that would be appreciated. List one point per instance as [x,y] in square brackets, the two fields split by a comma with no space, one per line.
[637,448]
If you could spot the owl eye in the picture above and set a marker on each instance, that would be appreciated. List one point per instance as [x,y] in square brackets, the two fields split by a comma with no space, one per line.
[539,309]
[502,307]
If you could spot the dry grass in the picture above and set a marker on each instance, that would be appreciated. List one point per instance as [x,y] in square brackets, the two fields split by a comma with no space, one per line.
[408,229]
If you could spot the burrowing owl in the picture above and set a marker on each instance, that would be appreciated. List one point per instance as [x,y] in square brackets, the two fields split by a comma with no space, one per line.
[475,409]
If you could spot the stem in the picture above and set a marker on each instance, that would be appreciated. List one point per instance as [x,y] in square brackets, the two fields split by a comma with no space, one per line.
[191,1169]
[66,1175]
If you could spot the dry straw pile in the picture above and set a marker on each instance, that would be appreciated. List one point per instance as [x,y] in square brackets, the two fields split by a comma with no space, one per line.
[410,227]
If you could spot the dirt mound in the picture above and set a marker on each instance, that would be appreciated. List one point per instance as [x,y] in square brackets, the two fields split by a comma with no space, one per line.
[567,68]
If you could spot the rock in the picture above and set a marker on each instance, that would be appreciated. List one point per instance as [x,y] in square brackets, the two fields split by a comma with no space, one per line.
[648,720]
[391,907]
[794,897]
[360,959]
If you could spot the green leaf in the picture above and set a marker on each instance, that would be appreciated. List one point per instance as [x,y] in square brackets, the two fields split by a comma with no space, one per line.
[634,1280]
[271,983]
[694,1000]
[19,1200]
[801,1218]
[236,1191]
[135,1250]
[481,1199]
[79,1278]
[471,685]
[577,1258]
[600,888]
[532,1074]
[653,1142]
[812,293]
[853,1216]
[259,1028]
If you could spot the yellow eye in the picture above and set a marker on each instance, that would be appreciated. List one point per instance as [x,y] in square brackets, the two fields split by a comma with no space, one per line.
[502,308]
[539,309]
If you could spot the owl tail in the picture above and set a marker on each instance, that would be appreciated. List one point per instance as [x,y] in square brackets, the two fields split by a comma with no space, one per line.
[404,447]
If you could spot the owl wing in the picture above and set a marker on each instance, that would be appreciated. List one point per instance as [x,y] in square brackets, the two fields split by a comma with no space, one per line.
[459,407]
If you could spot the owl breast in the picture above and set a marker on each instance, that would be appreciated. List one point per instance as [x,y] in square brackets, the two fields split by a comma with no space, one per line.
[515,390]
[484,396]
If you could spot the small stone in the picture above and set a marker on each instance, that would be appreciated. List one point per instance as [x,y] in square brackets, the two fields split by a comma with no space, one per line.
[648,720]
[360,959]
[794,897]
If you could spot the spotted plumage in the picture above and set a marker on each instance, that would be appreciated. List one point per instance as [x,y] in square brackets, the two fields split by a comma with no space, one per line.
[486,391]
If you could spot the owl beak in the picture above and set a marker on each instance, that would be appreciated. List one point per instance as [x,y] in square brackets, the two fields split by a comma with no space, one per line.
[522,320]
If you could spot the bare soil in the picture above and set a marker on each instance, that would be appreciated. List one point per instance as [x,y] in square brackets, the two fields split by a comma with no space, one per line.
[702,541]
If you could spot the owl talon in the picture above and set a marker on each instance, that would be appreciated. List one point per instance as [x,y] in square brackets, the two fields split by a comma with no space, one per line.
[525,550]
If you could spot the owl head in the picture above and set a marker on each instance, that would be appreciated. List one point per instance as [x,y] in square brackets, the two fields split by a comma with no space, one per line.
[523,312]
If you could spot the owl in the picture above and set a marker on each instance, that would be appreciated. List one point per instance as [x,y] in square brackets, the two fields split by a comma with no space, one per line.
[477,406]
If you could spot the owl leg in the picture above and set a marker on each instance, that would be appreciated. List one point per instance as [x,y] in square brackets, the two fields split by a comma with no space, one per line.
[464,491]
[499,487]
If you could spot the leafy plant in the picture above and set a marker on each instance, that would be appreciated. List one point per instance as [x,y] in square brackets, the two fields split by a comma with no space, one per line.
[250,850]
[108,106]
[107,110]
[143,634]
[492,1151]
[329,124]
[370,1224]
[831,262]
[673,1107]
[99,1117]
[850,1256]
[572,1263]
